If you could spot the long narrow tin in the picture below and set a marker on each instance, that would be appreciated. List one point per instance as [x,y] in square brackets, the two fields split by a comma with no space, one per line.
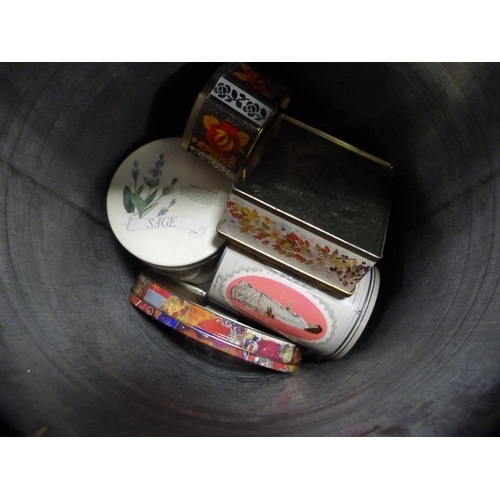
[327,323]
[194,315]
[312,204]
[230,114]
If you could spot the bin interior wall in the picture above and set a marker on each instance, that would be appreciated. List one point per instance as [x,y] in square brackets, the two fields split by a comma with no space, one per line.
[78,359]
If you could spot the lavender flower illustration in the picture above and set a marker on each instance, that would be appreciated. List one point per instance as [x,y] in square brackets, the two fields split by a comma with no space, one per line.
[132,200]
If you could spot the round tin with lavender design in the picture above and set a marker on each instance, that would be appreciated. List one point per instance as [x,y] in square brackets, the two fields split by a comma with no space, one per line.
[326,323]
[163,206]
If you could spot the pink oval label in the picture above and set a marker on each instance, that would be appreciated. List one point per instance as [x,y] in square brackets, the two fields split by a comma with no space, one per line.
[277,306]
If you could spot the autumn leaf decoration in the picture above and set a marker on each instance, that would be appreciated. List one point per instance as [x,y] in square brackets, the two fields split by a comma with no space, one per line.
[292,245]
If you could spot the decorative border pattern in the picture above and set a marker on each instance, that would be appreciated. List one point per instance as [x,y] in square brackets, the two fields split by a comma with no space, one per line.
[223,280]
[286,242]
[240,101]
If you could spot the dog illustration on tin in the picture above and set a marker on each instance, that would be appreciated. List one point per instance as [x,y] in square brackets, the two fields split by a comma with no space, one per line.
[252,298]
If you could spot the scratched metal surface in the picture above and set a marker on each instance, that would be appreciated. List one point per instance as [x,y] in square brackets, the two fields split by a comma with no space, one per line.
[78,359]
[337,192]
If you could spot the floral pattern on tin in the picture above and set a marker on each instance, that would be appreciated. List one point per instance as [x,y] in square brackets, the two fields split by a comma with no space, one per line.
[291,245]
[257,80]
[223,141]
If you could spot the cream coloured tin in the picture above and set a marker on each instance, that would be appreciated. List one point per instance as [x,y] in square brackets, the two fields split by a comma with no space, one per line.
[164,205]
[195,275]
[329,324]
[312,204]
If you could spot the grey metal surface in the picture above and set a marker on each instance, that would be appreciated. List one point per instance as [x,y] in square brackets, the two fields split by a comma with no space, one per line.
[78,359]
[335,191]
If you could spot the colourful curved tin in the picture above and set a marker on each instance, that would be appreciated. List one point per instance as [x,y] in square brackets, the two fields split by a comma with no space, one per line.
[210,340]
[215,324]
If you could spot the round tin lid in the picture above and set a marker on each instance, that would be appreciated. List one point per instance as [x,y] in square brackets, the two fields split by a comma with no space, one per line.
[164,205]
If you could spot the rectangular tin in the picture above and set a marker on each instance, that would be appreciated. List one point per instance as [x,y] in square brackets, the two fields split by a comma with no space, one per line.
[312,204]
[326,323]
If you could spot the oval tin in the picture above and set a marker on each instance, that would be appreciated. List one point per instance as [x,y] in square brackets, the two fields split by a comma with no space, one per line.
[327,324]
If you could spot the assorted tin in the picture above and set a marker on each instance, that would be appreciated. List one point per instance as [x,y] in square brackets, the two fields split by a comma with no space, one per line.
[230,114]
[164,205]
[312,204]
[326,323]
[285,194]
[192,315]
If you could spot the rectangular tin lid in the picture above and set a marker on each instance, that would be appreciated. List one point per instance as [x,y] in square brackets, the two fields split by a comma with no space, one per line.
[315,180]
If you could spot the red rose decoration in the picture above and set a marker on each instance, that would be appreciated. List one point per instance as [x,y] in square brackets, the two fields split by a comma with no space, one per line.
[223,141]
[222,138]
